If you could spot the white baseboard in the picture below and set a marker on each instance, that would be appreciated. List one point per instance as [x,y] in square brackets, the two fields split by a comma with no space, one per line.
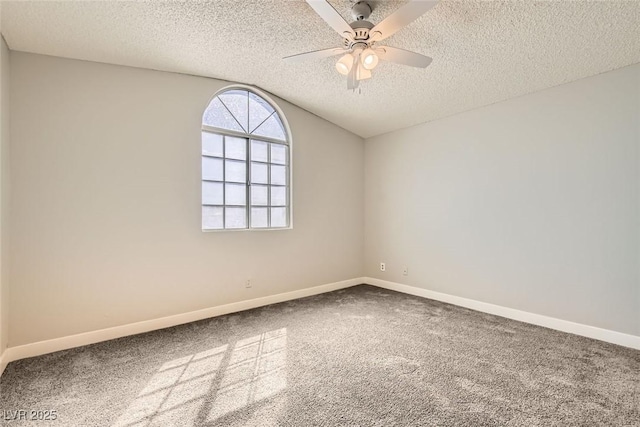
[619,338]
[3,362]
[49,346]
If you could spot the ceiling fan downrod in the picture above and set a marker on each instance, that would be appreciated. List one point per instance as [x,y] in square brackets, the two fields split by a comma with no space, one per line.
[361,11]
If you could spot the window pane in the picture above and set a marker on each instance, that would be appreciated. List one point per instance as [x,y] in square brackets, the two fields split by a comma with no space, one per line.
[211,217]
[236,218]
[272,128]
[278,175]
[235,148]
[259,110]
[235,171]
[211,144]
[211,193]
[259,151]
[212,168]
[259,218]
[237,101]
[278,196]
[259,173]
[235,194]
[217,115]
[279,154]
[278,217]
[259,195]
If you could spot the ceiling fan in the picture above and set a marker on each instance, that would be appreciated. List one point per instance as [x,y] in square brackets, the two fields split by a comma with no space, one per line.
[360,52]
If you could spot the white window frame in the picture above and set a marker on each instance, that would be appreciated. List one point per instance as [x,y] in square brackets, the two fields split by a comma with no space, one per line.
[249,137]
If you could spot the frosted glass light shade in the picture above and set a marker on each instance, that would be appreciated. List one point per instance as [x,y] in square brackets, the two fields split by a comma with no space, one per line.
[362,73]
[344,64]
[369,59]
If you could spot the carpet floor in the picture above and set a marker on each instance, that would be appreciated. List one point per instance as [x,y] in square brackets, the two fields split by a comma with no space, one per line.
[361,356]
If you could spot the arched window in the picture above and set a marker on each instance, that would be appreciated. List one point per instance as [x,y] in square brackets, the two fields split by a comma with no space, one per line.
[245,163]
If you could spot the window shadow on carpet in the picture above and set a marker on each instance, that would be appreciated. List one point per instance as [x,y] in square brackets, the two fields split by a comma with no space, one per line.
[205,387]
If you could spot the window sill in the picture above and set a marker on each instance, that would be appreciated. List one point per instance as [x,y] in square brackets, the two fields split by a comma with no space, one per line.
[246,229]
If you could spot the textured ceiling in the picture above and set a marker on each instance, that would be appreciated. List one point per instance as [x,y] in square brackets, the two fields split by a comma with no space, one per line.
[483,51]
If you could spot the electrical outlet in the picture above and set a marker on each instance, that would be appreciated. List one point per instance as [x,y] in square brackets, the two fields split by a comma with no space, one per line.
[383,266]
[247,283]
[405,271]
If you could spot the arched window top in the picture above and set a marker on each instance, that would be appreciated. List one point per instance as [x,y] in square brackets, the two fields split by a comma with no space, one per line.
[244,111]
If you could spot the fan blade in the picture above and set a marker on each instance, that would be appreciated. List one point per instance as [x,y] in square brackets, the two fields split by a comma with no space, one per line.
[316,54]
[352,81]
[332,17]
[401,17]
[404,57]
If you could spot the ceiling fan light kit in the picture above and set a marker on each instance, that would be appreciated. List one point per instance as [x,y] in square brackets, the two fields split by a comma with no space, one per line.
[360,53]
[369,59]
[344,64]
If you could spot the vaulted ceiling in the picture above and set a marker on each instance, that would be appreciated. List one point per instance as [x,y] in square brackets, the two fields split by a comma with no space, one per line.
[483,51]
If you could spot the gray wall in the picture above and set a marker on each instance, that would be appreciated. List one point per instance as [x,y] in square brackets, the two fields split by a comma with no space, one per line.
[106,183]
[532,203]
[4,195]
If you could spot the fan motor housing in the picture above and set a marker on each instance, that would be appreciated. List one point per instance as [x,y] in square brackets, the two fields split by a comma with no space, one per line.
[361,30]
